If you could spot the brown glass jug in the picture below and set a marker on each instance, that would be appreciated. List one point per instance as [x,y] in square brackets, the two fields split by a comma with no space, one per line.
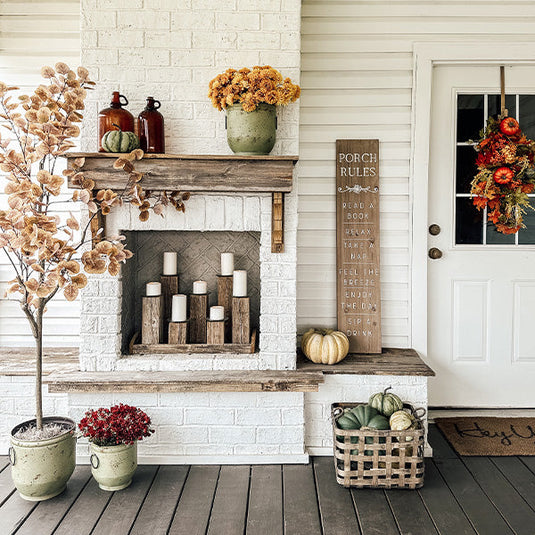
[113,117]
[150,128]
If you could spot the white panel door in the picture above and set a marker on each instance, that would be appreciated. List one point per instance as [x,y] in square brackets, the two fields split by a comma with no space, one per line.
[481,328]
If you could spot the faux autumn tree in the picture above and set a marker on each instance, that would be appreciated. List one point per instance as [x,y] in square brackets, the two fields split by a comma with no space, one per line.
[50,255]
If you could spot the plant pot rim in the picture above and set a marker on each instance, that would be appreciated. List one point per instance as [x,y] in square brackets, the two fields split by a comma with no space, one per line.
[46,420]
[239,104]
[117,447]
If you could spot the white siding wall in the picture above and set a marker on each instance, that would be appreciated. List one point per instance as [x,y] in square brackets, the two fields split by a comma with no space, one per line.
[33,34]
[357,83]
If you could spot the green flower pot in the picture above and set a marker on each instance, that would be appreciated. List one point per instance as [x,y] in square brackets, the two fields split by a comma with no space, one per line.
[113,466]
[251,132]
[41,468]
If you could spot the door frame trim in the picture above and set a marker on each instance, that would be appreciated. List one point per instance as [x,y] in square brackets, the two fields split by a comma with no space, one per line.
[426,55]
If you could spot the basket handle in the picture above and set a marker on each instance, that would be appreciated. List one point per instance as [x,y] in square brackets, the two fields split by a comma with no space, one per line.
[337,411]
[419,413]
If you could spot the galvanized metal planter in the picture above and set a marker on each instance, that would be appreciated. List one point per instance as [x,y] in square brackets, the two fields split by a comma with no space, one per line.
[113,466]
[41,468]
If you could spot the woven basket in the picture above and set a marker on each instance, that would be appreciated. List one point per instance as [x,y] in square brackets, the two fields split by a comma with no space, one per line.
[368,458]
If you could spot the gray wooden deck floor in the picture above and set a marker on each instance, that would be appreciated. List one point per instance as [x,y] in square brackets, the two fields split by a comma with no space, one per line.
[483,495]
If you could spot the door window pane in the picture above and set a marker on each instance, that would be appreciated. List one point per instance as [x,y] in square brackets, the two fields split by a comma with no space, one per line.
[495,105]
[468,222]
[498,238]
[526,236]
[527,115]
[470,116]
[466,168]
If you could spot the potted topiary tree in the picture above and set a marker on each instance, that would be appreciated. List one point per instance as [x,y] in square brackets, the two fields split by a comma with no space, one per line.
[49,253]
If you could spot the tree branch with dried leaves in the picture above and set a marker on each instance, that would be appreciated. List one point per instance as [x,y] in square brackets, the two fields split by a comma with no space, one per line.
[49,253]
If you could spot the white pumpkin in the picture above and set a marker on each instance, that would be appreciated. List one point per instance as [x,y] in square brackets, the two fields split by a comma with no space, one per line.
[325,346]
[401,420]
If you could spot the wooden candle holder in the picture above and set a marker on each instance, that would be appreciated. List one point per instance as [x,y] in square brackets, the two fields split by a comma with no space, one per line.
[215,332]
[170,285]
[198,308]
[152,320]
[178,332]
[241,320]
[224,299]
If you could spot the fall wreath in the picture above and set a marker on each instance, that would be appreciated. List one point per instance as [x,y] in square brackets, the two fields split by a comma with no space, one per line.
[505,174]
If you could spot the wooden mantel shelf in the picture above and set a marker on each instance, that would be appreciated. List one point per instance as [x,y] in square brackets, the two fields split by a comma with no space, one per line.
[204,174]
[190,381]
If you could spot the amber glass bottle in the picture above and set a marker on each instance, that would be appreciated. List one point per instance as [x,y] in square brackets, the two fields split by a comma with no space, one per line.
[150,128]
[113,117]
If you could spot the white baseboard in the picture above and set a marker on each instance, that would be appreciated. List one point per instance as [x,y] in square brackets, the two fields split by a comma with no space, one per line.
[457,413]
[214,459]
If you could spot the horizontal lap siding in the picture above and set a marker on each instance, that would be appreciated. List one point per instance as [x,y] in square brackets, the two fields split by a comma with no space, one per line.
[357,83]
[33,34]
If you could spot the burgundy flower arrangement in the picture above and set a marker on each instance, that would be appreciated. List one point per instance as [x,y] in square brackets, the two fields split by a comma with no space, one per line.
[120,424]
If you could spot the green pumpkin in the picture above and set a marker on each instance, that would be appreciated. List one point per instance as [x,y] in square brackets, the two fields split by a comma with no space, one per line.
[385,402]
[119,141]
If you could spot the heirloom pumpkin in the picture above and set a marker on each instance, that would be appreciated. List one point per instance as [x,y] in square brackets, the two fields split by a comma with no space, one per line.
[401,420]
[325,346]
[385,402]
[119,141]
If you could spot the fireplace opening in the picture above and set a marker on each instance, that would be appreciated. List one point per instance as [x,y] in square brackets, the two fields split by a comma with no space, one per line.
[199,258]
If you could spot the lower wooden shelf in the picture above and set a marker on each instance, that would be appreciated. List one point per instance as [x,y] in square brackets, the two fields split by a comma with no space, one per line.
[172,349]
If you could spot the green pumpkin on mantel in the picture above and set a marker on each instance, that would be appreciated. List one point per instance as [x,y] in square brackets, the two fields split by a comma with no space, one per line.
[251,132]
[119,141]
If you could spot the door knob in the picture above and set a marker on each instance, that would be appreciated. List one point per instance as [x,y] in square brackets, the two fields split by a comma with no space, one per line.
[435,253]
[434,230]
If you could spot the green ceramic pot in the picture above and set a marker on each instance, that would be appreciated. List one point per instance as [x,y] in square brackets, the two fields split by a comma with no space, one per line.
[251,132]
[41,468]
[113,466]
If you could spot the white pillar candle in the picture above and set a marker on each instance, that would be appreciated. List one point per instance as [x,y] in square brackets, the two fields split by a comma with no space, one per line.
[170,263]
[200,287]
[217,313]
[153,289]
[239,283]
[179,308]
[227,264]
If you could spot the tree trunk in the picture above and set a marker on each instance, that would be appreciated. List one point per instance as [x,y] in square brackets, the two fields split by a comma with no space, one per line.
[38,335]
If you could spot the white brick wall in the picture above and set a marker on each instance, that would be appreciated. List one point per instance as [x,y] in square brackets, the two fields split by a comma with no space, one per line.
[352,388]
[212,427]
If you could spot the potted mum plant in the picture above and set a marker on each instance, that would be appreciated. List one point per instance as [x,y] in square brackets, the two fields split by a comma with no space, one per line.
[113,434]
[250,97]
[49,253]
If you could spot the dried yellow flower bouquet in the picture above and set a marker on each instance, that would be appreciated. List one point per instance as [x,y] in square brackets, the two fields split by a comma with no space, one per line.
[252,86]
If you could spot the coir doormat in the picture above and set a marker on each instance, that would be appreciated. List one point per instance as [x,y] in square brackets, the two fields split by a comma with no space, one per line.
[489,436]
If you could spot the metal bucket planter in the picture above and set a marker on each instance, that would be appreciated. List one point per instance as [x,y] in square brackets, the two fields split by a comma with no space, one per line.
[41,468]
[251,132]
[113,466]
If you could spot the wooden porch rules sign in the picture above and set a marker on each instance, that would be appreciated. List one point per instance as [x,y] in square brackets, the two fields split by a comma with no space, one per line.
[357,243]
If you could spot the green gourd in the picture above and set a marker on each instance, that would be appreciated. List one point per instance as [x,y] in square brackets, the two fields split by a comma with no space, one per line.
[385,402]
[119,141]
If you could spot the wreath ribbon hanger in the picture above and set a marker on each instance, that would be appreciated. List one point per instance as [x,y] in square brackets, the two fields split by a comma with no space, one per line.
[503,111]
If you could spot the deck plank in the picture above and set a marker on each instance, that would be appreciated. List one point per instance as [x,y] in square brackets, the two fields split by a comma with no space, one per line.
[6,484]
[300,500]
[410,512]
[4,462]
[123,507]
[230,502]
[14,512]
[162,497]
[374,513]
[85,512]
[441,447]
[503,495]
[48,514]
[446,513]
[193,511]
[474,502]
[265,501]
[519,473]
[335,503]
